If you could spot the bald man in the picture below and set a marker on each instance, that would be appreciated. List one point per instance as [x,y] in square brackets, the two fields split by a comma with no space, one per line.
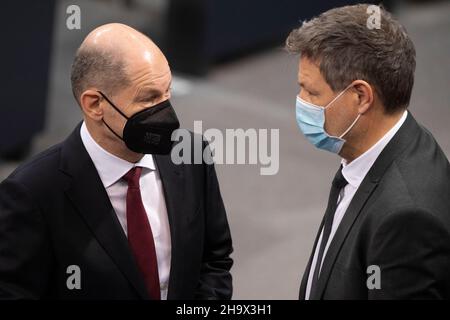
[106,214]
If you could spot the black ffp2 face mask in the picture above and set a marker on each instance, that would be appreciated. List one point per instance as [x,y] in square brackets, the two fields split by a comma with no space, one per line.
[148,131]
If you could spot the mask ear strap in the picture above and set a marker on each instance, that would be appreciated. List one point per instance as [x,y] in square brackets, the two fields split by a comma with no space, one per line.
[117,109]
[338,96]
[110,129]
[351,126]
[112,105]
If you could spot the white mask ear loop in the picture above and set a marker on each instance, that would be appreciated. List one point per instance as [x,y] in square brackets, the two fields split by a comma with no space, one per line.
[351,126]
[338,96]
[357,118]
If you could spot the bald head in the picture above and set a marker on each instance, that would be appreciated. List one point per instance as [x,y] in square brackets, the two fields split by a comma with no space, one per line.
[112,56]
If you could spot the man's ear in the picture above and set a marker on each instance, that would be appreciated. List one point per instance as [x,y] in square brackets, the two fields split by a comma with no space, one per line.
[365,95]
[90,104]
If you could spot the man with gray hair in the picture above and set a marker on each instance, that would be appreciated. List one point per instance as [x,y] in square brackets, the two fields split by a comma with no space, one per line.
[386,230]
[106,214]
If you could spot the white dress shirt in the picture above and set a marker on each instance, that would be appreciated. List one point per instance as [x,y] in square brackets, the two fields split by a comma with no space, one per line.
[354,172]
[111,169]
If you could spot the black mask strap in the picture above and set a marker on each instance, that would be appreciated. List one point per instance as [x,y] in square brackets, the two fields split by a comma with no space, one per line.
[113,105]
[112,130]
[117,109]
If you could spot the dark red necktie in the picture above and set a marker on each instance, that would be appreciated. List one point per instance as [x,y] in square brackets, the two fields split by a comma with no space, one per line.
[140,236]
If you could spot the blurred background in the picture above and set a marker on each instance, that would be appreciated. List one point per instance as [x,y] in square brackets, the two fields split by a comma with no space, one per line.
[230,71]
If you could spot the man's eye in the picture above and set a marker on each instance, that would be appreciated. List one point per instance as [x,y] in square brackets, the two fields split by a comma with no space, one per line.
[308,93]
[313,93]
[148,99]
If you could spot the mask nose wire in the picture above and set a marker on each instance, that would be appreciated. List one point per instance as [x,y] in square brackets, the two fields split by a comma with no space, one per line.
[329,103]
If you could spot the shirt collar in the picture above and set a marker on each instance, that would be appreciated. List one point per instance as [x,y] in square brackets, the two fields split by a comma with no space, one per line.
[355,171]
[110,167]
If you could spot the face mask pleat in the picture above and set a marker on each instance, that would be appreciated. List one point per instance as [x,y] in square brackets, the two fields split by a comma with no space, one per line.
[311,121]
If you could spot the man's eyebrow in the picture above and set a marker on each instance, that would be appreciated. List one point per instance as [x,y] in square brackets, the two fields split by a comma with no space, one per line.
[147,92]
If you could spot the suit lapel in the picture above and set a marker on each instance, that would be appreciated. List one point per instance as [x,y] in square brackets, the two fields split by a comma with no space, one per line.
[357,203]
[87,194]
[172,181]
[370,182]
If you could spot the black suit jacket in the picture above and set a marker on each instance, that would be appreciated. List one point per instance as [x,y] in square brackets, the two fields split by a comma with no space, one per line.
[398,220]
[55,212]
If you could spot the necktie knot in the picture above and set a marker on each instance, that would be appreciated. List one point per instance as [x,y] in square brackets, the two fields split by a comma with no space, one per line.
[339,180]
[132,177]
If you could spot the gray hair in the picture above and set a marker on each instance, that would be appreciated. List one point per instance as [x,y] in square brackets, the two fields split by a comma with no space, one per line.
[345,50]
[97,68]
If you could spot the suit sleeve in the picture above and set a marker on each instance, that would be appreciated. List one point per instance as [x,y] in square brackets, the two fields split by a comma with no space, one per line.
[215,278]
[24,246]
[412,249]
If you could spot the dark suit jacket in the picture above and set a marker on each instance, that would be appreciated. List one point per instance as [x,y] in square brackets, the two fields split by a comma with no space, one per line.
[55,212]
[399,220]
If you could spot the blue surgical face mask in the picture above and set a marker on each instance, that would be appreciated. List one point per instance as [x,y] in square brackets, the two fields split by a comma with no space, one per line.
[311,120]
